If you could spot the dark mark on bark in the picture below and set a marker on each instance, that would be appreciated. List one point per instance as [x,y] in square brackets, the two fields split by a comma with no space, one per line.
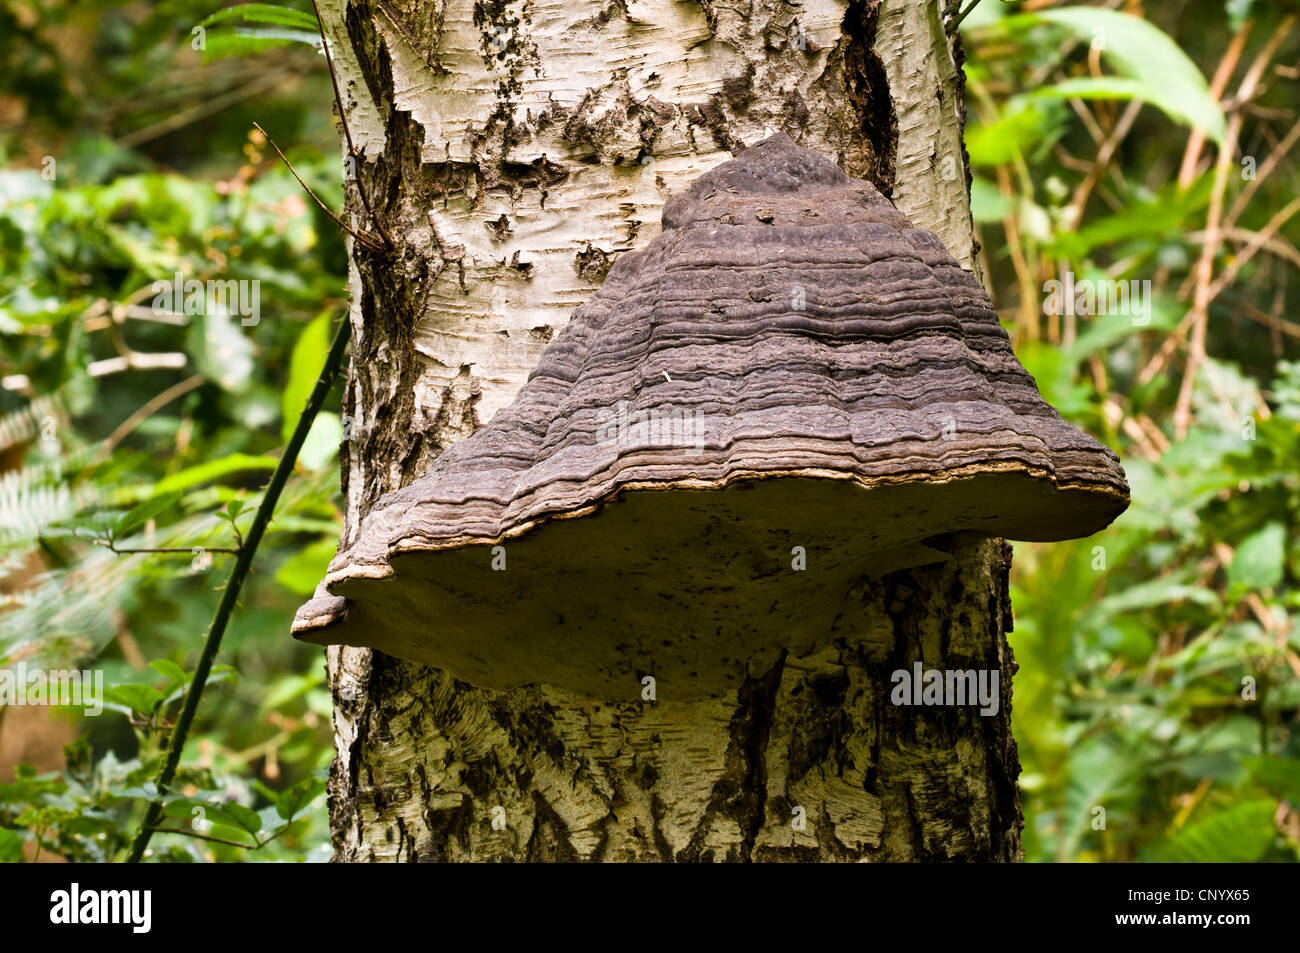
[592,263]
[867,87]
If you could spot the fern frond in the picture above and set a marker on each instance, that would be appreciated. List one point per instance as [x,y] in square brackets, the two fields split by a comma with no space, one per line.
[34,420]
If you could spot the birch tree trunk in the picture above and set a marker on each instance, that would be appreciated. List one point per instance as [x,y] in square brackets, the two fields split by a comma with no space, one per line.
[512,150]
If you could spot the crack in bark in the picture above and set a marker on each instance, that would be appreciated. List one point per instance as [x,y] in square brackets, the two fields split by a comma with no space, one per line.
[867,88]
[758,701]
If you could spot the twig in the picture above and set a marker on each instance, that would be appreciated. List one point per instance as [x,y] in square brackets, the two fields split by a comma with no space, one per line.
[137,361]
[1271,321]
[1272,243]
[113,548]
[1283,149]
[1204,294]
[230,596]
[1027,313]
[1223,73]
[952,27]
[185,117]
[363,236]
[1258,240]
[150,407]
[208,837]
[1074,213]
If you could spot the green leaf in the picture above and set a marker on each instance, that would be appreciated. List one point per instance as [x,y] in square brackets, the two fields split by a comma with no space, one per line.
[28,787]
[1156,592]
[1160,72]
[1259,560]
[1100,775]
[1239,834]
[139,698]
[1101,331]
[298,797]
[987,203]
[1025,126]
[205,472]
[220,348]
[304,368]
[1053,371]
[275,27]
[11,846]
[286,688]
[145,511]
[322,442]
[245,817]
[1122,88]
[226,813]
[1162,215]
[262,13]
[170,671]
[1281,776]
[243,41]
[305,568]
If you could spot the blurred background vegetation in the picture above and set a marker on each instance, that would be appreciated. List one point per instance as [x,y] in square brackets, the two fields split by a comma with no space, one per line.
[1159,684]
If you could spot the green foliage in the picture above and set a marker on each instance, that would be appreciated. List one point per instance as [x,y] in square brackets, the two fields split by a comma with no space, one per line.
[263,13]
[274,26]
[1238,834]
[96,454]
[1152,66]
[154,506]
[1156,703]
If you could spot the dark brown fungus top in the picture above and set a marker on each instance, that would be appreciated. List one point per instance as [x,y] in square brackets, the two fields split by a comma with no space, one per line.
[789,390]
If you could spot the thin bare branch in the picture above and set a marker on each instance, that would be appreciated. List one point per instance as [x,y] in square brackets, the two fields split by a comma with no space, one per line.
[187,550]
[1227,66]
[363,237]
[1275,157]
[148,410]
[137,361]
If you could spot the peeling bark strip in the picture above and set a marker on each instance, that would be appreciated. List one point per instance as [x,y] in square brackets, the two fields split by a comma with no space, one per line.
[511,150]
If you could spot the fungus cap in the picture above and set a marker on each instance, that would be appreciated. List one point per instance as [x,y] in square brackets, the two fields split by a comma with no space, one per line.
[789,389]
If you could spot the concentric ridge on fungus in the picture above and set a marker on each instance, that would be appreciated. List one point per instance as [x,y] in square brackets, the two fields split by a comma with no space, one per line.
[789,364]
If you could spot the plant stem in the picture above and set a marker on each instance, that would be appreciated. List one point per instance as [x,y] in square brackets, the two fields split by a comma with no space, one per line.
[952,27]
[248,549]
[206,837]
[169,549]
[258,845]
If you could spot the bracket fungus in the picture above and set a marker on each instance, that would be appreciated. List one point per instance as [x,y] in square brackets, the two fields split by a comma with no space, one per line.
[790,389]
